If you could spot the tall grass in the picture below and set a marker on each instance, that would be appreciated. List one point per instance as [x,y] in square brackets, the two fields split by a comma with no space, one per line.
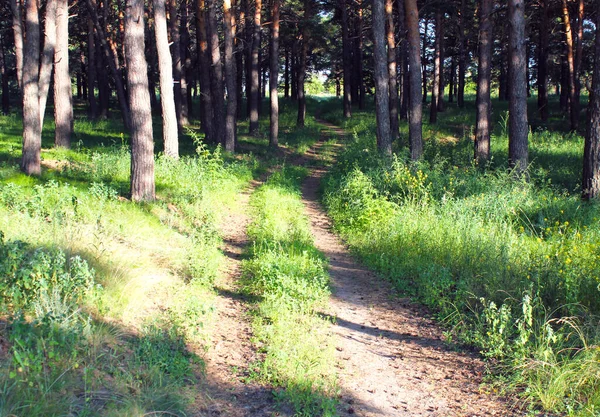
[511,265]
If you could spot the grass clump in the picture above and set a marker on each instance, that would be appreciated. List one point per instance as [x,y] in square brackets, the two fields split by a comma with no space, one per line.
[288,277]
[510,265]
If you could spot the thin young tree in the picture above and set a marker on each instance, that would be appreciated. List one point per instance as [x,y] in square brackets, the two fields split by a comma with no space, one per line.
[142,143]
[484,74]
[274,75]
[63,94]
[230,77]
[32,129]
[415,112]
[255,70]
[518,128]
[591,153]
[165,73]
[382,104]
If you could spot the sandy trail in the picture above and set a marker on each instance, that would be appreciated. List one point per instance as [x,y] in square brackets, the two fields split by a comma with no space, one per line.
[391,357]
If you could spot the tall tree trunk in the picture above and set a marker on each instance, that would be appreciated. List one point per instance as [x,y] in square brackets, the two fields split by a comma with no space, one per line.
[91,72]
[255,71]
[32,129]
[564,82]
[286,74]
[579,48]
[249,32]
[205,78]
[186,65]
[518,128]
[142,143]
[346,60]
[451,85]
[4,75]
[424,59]
[435,87]
[103,86]
[462,56]
[574,102]
[302,65]
[542,76]
[63,95]
[239,58]
[403,61]
[484,74]
[591,153]
[382,79]
[392,71]
[230,77]
[441,81]
[165,72]
[359,57]
[274,75]
[294,71]
[17,24]
[47,58]
[415,112]
[217,87]
[174,24]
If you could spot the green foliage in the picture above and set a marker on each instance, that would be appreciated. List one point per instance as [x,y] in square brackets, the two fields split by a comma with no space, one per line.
[288,276]
[504,261]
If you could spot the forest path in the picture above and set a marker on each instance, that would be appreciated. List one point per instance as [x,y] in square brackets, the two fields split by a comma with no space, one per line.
[228,391]
[392,359]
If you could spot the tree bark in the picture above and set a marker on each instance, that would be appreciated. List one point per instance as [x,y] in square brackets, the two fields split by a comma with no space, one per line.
[302,64]
[451,84]
[382,79]
[91,72]
[174,23]
[217,88]
[205,79]
[63,95]
[230,77]
[142,144]
[32,129]
[239,58]
[359,57]
[403,61]
[346,61]
[274,76]
[591,153]
[462,58]
[441,106]
[186,65]
[4,75]
[286,74]
[542,77]
[392,70]
[435,87]
[255,71]
[573,100]
[17,24]
[165,73]
[47,58]
[424,59]
[415,113]
[484,74]
[518,128]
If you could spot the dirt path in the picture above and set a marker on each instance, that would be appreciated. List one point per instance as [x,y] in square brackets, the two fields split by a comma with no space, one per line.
[231,354]
[392,360]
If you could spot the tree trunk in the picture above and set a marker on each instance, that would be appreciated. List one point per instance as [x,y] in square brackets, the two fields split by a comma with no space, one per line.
[165,72]
[484,74]
[230,77]
[205,79]
[186,65]
[47,58]
[382,79]
[392,71]
[32,129]
[518,128]
[403,61]
[462,58]
[255,71]
[564,83]
[579,49]
[591,153]
[274,76]
[451,85]
[63,95]
[302,65]
[542,76]
[17,24]
[103,86]
[217,88]
[359,57]
[142,144]
[441,107]
[4,75]
[286,74]
[174,23]
[91,72]
[424,60]
[415,112]
[573,101]
[346,60]
[249,32]
[435,87]
[239,59]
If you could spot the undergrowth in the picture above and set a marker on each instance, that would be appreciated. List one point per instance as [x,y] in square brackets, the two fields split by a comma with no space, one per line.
[288,276]
[511,265]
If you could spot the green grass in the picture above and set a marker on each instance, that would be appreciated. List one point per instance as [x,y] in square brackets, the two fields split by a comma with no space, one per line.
[288,276]
[510,265]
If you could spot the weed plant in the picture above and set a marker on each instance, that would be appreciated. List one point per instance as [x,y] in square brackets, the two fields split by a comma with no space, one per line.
[103,302]
[288,276]
[510,264]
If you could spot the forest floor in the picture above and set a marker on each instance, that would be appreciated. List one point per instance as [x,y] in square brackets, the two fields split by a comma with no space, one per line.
[392,359]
